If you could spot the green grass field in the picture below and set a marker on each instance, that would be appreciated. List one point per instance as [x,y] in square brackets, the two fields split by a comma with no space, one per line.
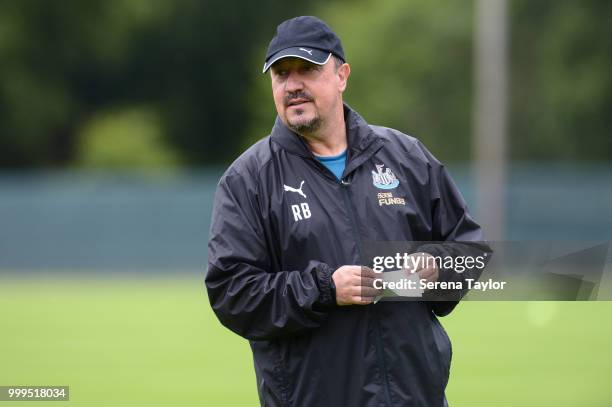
[141,340]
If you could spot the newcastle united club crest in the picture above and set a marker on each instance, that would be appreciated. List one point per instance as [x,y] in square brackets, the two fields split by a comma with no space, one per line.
[384,179]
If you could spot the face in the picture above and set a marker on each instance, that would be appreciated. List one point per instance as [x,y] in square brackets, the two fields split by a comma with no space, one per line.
[306,94]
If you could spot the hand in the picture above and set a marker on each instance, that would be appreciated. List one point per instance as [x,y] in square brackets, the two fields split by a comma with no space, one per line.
[426,267]
[355,285]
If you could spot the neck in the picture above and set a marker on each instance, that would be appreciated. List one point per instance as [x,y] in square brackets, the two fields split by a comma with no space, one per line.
[330,138]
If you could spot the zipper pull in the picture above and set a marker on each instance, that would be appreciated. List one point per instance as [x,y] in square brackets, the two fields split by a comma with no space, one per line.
[345,182]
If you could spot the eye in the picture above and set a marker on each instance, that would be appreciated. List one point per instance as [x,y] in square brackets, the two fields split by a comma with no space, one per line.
[280,73]
[310,68]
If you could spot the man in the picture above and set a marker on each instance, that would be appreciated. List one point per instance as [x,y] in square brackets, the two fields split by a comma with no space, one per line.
[290,221]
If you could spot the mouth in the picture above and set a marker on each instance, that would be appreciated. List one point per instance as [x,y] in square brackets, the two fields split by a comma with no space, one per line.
[297,102]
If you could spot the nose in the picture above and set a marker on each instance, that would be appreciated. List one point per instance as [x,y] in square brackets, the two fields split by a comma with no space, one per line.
[294,82]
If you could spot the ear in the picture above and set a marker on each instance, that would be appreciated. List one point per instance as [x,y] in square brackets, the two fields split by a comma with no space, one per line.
[343,73]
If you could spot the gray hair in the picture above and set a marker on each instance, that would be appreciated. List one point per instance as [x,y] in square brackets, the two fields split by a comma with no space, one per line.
[337,62]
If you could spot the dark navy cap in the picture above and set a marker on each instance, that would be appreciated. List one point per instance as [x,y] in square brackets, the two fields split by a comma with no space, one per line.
[305,37]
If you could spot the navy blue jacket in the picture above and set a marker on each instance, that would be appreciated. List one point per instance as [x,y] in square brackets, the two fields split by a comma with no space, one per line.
[282,223]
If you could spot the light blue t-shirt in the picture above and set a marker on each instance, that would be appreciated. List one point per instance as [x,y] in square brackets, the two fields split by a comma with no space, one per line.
[335,163]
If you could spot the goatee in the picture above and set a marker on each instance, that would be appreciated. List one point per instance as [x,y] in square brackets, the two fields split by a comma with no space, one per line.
[307,127]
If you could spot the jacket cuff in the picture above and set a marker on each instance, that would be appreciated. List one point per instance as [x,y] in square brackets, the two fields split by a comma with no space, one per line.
[327,287]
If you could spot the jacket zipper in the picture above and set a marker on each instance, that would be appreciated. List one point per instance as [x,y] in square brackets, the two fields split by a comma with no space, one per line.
[346,194]
[379,344]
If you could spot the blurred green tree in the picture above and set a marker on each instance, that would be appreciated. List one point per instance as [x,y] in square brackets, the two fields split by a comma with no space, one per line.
[63,62]
[561,93]
[125,138]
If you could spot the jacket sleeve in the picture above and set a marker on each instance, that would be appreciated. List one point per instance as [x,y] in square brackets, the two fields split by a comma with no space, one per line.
[457,231]
[249,295]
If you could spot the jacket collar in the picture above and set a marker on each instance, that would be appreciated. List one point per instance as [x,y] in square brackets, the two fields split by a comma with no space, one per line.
[360,136]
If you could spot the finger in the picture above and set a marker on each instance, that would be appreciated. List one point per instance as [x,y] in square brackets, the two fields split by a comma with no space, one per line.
[426,272]
[430,276]
[360,290]
[356,271]
[370,292]
[368,272]
[356,290]
[358,300]
[368,281]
